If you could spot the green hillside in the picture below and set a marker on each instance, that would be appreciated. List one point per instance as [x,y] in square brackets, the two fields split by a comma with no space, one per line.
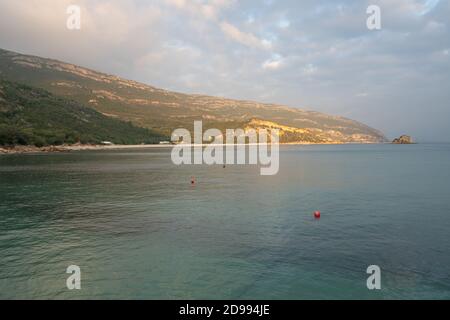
[163,111]
[31,116]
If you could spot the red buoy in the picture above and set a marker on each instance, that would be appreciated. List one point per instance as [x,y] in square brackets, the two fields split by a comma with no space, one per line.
[317,214]
[193,181]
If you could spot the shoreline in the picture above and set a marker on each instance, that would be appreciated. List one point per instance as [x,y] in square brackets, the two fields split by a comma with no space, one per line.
[70,148]
[91,147]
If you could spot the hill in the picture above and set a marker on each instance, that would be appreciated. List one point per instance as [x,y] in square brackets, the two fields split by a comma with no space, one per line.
[31,116]
[163,111]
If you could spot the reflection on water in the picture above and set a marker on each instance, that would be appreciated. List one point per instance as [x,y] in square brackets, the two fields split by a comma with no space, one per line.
[138,229]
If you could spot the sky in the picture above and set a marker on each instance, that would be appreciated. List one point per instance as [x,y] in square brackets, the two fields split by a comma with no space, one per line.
[311,54]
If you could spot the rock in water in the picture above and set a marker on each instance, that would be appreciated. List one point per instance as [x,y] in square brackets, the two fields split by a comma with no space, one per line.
[403,140]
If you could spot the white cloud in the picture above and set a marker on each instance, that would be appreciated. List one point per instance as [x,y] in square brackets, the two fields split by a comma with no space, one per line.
[284,23]
[310,69]
[247,39]
[427,6]
[273,64]
[209,10]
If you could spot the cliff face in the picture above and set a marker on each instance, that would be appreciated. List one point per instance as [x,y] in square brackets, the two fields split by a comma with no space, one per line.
[163,111]
[404,139]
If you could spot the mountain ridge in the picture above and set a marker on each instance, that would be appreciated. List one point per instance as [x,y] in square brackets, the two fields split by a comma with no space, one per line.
[163,110]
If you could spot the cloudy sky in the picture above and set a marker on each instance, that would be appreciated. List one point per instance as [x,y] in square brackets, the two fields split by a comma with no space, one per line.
[311,54]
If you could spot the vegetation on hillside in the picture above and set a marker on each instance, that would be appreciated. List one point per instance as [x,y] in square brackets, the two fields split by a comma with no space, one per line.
[32,116]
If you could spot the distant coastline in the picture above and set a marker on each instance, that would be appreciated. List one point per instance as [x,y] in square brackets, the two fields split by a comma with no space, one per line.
[90,147]
[75,100]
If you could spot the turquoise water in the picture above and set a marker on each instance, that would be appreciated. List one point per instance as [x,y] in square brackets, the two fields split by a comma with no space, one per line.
[139,230]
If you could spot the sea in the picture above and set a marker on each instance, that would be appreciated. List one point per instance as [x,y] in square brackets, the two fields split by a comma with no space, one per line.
[137,228]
